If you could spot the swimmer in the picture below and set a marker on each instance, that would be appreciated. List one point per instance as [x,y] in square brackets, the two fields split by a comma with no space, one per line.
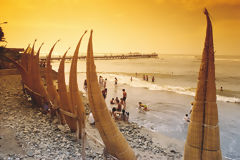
[143,106]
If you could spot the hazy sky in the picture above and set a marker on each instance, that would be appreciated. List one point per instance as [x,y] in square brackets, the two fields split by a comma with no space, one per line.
[162,26]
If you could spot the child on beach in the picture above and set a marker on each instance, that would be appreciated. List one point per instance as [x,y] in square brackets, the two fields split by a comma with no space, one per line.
[112,101]
[143,107]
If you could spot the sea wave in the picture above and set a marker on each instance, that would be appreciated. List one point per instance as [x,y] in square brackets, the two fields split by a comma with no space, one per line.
[136,82]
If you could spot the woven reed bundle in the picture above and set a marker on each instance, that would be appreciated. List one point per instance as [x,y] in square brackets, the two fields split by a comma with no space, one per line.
[37,85]
[113,139]
[75,95]
[51,88]
[29,66]
[203,141]
[33,77]
[24,61]
[64,95]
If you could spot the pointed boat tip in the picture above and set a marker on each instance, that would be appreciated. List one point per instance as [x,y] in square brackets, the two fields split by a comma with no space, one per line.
[206,12]
[66,52]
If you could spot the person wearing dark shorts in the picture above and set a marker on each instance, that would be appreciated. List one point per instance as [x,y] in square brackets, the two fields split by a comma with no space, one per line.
[124,95]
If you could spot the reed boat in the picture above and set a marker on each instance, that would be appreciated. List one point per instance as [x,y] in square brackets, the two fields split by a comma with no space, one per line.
[115,143]
[203,141]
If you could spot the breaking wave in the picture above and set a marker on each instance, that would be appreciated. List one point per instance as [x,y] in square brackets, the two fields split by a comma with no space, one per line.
[136,82]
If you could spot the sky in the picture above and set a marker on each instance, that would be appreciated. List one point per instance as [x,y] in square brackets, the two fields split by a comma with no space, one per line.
[122,26]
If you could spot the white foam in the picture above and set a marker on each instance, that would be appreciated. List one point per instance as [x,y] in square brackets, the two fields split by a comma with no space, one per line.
[124,79]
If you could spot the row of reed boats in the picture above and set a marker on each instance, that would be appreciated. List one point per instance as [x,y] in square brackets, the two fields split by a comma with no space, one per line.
[203,142]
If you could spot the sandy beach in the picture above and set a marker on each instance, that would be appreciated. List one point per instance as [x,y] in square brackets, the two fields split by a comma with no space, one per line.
[26,133]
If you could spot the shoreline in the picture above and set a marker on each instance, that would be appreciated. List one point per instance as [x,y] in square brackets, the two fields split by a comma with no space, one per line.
[36,135]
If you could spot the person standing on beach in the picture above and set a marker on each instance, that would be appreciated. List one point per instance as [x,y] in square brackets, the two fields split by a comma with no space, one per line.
[112,101]
[191,108]
[124,95]
[105,83]
[100,80]
[116,100]
[153,79]
[131,79]
[116,80]
[104,93]
[146,77]
[85,84]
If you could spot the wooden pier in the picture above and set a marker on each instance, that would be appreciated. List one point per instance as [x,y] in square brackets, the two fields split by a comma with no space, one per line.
[109,57]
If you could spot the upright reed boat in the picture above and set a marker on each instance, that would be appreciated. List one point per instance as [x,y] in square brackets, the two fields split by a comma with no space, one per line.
[113,139]
[203,141]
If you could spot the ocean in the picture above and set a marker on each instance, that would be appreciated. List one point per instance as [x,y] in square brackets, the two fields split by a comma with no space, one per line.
[170,96]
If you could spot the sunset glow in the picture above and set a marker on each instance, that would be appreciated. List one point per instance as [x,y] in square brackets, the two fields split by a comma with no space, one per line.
[121,26]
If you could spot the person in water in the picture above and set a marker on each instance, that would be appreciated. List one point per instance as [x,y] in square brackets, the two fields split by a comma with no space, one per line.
[124,95]
[105,83]
[153,79]
[100,80]
[85,84]
[116,80]
[191,108]
[186,118]
[143,106]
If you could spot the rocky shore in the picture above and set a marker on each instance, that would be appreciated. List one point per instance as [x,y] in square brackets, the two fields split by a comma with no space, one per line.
[26,133]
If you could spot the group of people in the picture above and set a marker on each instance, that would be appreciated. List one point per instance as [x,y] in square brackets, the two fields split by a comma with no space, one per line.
[102,82]
[145,78]
[119,107]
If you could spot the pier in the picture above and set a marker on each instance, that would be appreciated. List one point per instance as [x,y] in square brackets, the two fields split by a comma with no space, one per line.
[108,57]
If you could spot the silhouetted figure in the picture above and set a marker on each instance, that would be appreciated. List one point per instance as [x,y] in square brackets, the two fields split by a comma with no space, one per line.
[221,89]
[146,77]
[85,84]
[124,95]
[153,79]
[104,93]
[116,80]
